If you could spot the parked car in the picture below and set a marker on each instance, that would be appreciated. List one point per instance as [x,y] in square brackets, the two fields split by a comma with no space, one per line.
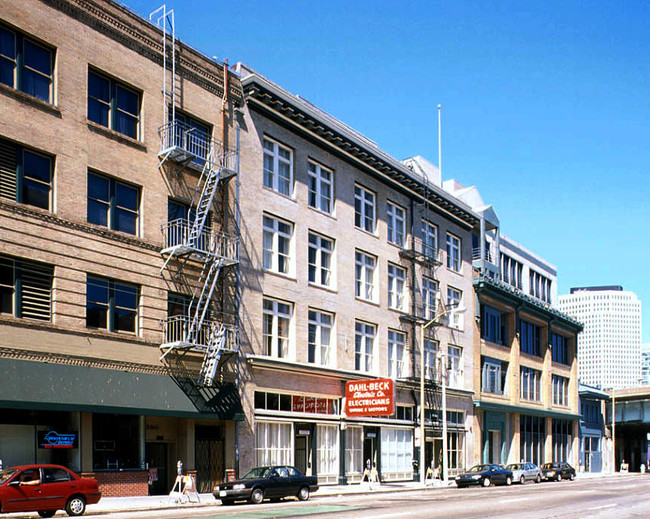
[484,475]
[261,483]
[558,471]
[46,489]
[523,472]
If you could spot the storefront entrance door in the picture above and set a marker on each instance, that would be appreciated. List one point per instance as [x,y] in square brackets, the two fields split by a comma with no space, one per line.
[494,445]
[301,453]
[156,456]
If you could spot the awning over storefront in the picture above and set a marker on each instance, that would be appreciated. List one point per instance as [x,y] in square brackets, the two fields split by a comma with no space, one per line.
[505,408]
[44,386]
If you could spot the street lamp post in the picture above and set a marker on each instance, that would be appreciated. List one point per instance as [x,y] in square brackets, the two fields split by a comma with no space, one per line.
[454,310]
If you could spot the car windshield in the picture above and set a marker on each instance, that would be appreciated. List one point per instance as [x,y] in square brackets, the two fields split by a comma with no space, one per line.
[514,466]
[6,474]
[257,472]
[547,466]
[479,468]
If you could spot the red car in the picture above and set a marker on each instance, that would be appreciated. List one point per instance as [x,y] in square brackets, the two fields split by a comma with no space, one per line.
[46,489]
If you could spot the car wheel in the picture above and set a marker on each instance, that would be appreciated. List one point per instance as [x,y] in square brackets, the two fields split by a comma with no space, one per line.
[303,494]
[509,480]
[572,476]
[487,482]
[257,496]
[538,479]
[47,513]
[227,502]
[558,477]
[522,479]
[76,506]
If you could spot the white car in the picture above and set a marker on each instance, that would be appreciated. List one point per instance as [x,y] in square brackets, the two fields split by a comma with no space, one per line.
[526,471]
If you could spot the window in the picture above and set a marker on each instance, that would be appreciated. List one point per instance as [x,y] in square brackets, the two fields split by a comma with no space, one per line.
[532,437]
[429,297]
[429,240]
[493,325]
[320,187]
[273,443]
[278,167]
[454,299]
[320,260]
[327,450]
[180,219]
[111,305]
[396,285]
[113,204]
[353,450]
[403,412]
[530,338]
[364,209]
[320,338]
[396,450]
[430,360]
[365,276]
[455,451]
[364,342]
[560,390]
[560,348]
[277,244]
[26,65]
[277,318]
[25,289]
[54,475]
[113,104]
[396,220]
[562,440]
[511,271]
[25,175]
[493,376]
[455,366]
[540,286]
[190,135]
[590,411]
[396,349]
[531,384]
[453,253]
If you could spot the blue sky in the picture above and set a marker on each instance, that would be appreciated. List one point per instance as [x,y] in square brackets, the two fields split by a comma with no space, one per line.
[545,105]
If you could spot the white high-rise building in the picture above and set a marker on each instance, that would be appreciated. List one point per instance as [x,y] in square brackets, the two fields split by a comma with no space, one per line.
[645,364]
[609,348]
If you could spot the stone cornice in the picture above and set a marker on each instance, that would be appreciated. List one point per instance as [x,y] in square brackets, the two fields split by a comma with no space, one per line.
[128,29]
[349,145]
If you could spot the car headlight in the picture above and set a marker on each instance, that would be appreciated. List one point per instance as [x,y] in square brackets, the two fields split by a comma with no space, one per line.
[551,472]
[239,486]
[476,477]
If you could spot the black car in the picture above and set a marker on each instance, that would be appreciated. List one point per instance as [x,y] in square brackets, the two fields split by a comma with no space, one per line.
[484,475]
[558,471]
[261,483]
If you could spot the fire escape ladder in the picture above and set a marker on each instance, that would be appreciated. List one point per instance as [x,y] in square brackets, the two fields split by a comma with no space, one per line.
[216,344]
[210,177]
[202,297]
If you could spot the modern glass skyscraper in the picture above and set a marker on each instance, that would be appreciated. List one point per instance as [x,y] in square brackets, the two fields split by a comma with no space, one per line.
[609,348]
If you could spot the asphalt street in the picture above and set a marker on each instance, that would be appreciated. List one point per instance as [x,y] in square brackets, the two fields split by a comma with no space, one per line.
[602,498]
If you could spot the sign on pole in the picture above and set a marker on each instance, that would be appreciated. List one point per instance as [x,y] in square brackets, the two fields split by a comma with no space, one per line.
[374,397]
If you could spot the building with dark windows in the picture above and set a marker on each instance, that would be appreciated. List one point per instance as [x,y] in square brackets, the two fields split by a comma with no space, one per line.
[526,380]
[117,210]
[593,439]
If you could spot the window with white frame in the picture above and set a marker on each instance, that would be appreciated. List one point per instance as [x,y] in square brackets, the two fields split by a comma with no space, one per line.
[354,450]
[539,286]
[396,286]
[396,222]
[365,266]
[453,253]
[455,450]
[327,450]
[320,259]
[320,337]
[455,366]
[454,300]
[429,239]
[396,351]
[429,297]
[531,384]
[273,443]
[493,376]
[276,328]
[431,360]
[320,187]
[560,390]
[365,214]
[278,167]
[396,450]
[277,244]
[364,344]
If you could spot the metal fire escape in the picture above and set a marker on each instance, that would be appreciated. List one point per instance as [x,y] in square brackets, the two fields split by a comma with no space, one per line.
[198,341]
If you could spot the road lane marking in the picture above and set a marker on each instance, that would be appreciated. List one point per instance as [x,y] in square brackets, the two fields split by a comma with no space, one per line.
[604,506]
